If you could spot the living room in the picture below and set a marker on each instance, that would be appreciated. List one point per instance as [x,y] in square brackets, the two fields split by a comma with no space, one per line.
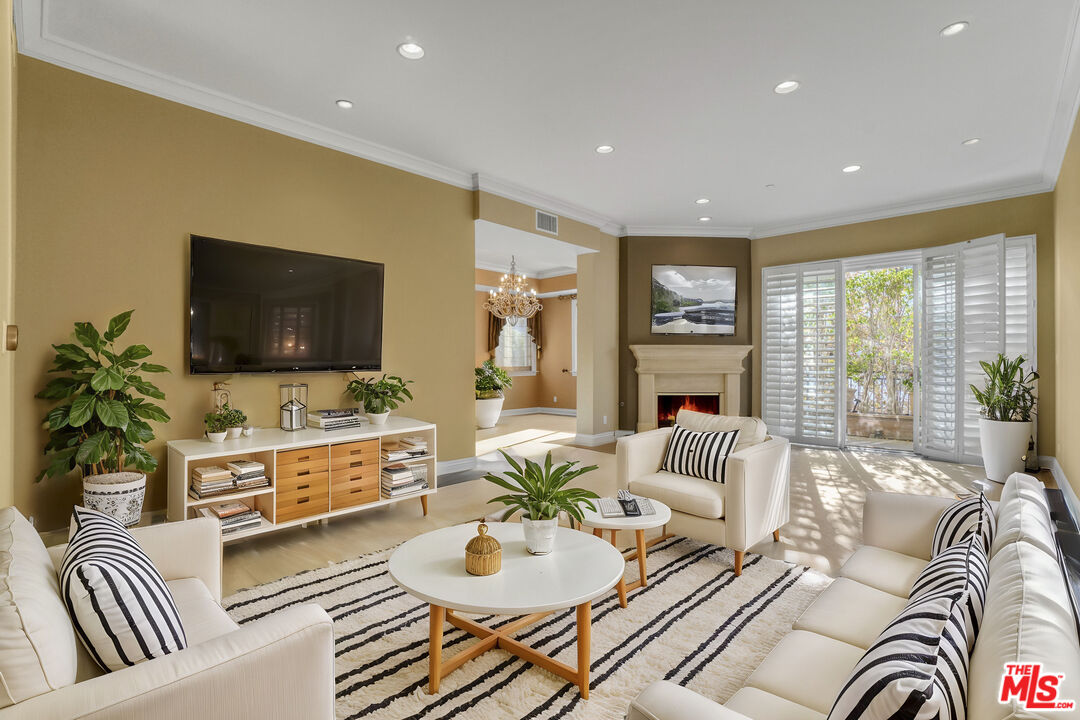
[348,373]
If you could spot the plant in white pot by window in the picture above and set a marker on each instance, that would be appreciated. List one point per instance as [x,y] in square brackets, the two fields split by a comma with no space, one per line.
[540,493]
[103,419]
[491,380]
[1008,402]
[379,397]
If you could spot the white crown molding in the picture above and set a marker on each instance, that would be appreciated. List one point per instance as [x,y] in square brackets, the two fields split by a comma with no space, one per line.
[556,272]
[1068,102]
[510,191]
[710,231]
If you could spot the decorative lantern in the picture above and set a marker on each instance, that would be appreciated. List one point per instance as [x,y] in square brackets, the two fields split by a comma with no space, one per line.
[293,406]
[483,554]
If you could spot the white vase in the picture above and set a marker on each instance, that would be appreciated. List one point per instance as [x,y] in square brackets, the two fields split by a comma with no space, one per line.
[233,432]
[118,494]
[539,535]
[1004,445]
[218,437]
[488,411]
[378,418]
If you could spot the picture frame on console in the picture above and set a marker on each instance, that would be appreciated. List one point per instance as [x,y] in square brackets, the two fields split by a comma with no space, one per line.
[692,300]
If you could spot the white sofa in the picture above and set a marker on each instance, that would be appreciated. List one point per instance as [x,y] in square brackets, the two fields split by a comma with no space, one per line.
[739,513]
[1027,618]
[281,666]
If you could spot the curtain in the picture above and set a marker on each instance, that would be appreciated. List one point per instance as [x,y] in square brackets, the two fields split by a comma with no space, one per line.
[494,329]
[534,325]
[536,329]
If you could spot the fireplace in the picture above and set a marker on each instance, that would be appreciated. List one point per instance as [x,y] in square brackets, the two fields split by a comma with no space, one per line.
[668,405]
[703,370]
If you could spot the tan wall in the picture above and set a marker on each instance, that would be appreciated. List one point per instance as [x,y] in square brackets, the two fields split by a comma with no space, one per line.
[112,181]
[1067,288]
[7,250]
[549,382]
[637,255]
[1032,214]
[598,315]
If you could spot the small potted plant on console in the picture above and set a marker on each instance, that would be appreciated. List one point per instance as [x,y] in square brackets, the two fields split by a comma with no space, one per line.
[216,429]
[540,493]
[379,397]
[234,421]
[490,382]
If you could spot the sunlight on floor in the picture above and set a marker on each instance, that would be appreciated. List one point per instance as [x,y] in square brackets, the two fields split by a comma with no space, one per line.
[519,437]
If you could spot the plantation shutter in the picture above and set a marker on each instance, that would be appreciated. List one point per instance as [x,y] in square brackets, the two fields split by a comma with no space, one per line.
[983,337]
[800,387]
[938,332]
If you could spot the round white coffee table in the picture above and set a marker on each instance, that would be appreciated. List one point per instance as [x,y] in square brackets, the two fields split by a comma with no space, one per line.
[638,524]
[580,568]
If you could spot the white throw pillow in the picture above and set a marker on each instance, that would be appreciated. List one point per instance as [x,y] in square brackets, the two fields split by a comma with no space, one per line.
[37,642]
[121,608]
[1024,514]
[752,430]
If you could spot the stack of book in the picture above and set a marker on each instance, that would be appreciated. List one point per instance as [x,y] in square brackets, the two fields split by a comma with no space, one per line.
[336,419]
[407,448]
[248,474]
[398,480]
[415,444]
[210,481]
[233,516]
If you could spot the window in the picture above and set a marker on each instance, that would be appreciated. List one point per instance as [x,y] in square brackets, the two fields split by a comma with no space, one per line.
[573,336]
[516,351]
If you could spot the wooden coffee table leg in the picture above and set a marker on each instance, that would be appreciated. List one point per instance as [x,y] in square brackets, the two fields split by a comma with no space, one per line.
[621,587]
[640,537]
[438,615]
[584,641]
[423,504]
[611,536]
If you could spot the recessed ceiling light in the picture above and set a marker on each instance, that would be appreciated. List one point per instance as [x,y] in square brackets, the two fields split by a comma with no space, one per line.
[954,29]
[702,201]
[770,186]
[344,104]
[788,86]
[410,50]
[852,168]
[971,141]
[706,218]
[605,149]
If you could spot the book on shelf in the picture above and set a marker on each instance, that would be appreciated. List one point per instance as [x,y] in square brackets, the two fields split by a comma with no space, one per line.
[253,483]
[237,522]
[228,509]
[407,489]
[414,442]
[335,423]
[207,474]
[336,413]
[256,475]
[246,467]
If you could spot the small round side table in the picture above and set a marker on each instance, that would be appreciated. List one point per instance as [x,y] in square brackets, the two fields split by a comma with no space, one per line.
[639,524]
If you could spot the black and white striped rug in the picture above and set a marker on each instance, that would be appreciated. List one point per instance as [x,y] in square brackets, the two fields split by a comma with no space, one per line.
[694,624]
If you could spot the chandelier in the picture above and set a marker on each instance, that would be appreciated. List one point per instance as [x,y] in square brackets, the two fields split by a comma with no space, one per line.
[512,300]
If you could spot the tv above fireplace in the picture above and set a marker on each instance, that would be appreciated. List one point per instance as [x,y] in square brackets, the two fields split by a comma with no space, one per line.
[257,309]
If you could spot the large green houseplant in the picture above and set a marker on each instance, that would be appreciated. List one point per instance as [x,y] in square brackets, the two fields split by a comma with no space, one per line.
[1007,401]
[540,494]
[379,397]
[101,423]
[491,380]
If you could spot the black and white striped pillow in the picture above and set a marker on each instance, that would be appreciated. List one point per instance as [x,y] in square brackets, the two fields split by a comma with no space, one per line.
[917,668]
[119,604]
[972,516]
[962,568]
[699,454]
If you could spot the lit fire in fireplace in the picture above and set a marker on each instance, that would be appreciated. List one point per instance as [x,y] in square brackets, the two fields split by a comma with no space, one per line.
[668,406]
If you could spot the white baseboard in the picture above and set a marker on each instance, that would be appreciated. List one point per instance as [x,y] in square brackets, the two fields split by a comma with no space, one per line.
[445,467]
[569,412]
[623,433]
[1051,463]
[594,440]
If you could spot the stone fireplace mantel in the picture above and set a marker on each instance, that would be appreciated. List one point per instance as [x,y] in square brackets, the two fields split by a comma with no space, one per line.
[687,369]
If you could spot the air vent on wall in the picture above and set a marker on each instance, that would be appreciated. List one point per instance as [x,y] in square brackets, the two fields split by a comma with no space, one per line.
[547,222]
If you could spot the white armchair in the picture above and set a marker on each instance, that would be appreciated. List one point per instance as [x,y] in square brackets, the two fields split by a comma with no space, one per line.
[739,513]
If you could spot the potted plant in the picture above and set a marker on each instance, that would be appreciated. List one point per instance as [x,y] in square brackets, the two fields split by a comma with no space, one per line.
[102,423]
[216,427]
[540,493]
[379,397]
[490,382]
[1008,402]
[234,421]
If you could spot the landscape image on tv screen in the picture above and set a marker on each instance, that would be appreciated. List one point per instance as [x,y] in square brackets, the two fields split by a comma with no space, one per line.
[693,300]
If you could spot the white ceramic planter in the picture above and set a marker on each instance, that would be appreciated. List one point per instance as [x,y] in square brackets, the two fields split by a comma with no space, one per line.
[218,437]
[248,431]
[539,535]
[118,494]
[1004,445]
[233,432]
[488,411]
[378,418]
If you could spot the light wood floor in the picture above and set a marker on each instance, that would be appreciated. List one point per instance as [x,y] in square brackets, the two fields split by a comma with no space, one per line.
[827,492]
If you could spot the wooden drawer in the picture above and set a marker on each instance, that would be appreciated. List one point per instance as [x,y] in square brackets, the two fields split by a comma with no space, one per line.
[310,497]
[353,455]
[358,491]
[301,469]
[292,457]
[339,477]
[310,481]
[354,448]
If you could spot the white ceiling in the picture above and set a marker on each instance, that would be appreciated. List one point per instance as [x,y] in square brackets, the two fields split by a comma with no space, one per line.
[537,256]
[519,94]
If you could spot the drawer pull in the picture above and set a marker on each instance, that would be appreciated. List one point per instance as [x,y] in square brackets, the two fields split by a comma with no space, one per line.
[357,490]
[303,472]
[300,501]
[358,463]
[303,487]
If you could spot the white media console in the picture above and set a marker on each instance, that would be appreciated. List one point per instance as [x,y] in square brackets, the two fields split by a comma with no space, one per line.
[314,474]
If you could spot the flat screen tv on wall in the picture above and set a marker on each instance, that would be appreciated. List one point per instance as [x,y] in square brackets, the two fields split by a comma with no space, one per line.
[257,309]
[693,300]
